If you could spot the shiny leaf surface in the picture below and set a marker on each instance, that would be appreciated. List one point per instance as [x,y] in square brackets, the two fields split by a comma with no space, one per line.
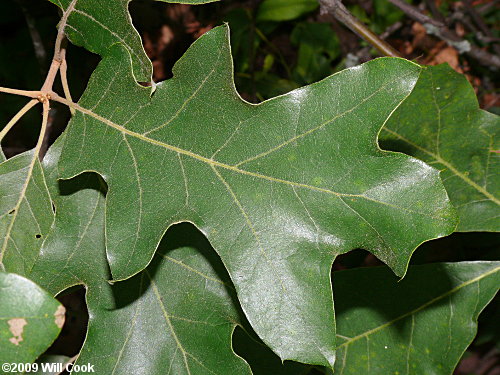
[179,303]
[278,188]
[30,319]
[441,123]
[420,325]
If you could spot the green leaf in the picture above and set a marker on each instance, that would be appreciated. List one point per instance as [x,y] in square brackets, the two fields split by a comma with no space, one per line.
[179,302]
[420,325]
[96,25]
[441,123]
[73,252]
[279,188]
[25,212]
[30,319]
[284,10]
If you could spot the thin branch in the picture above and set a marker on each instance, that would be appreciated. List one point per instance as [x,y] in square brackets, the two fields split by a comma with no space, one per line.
[434,10]
[60,31]
[17,117]
[43,95]
[478,20]
[57,59]
[442,32]
[340,12]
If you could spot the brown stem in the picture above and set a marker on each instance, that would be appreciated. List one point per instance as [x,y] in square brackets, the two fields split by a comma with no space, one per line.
[431,5]
[442,32]
[340,12]
[478,20]
[43,95]
[59,56]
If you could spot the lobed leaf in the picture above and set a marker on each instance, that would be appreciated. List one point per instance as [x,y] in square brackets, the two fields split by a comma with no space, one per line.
[30,319]
[278,188]
[419,325]
[441,123]
[179,302]
[96,25]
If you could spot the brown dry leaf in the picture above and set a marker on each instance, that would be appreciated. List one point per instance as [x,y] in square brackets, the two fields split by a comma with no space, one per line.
[447,55]
[419,33]
[490,100]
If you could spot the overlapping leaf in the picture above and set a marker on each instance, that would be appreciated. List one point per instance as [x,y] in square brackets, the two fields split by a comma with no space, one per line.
[420,325]
[441,123]
[96,25]
[279,188]
[179,302]
[25,212]
[30,320]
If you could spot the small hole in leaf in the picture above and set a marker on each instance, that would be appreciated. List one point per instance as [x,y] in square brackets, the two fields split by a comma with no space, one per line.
[38,236]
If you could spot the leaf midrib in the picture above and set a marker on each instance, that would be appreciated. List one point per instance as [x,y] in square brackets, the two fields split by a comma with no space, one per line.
[215,163]
[448,165]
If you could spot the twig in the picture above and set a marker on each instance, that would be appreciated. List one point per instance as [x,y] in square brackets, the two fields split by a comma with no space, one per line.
[17,117]
[478,20]
[340,12]
[442,32]
[434,10]
[415,13]
[387,33]
[485,8]
[58,56]
[43,95]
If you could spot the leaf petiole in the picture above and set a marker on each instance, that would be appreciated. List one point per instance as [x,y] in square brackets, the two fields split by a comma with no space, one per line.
[29,94]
